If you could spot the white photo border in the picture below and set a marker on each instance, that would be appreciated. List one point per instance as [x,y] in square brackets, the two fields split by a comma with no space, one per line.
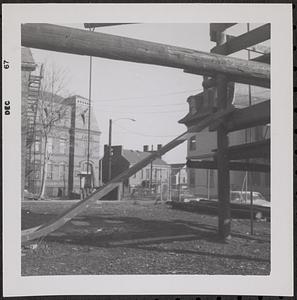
[280,281]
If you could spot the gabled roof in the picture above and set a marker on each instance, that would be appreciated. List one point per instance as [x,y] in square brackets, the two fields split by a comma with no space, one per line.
[134,156]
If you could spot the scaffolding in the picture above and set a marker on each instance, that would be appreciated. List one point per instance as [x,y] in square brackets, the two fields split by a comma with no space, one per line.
[218,70]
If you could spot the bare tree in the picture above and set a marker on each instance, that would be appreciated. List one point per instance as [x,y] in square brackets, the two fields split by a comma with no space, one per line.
[51,110]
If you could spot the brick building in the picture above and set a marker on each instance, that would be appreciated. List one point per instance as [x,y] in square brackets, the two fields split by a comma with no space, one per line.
[67,144]
[203,182]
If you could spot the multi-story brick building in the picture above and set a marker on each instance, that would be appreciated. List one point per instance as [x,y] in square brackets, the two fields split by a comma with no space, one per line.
[203,182]
[67,143]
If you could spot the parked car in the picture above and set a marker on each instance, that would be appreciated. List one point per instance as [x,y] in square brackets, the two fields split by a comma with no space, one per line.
[186,197]
[244,197]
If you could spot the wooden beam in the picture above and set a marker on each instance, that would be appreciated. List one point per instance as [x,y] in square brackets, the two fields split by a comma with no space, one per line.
[259,149]
[82,42]
[224,218]
[220,27]
[95,25]
[211,118]
[265,58]
[233,165]
[255,115]
[217,28]
[248,39]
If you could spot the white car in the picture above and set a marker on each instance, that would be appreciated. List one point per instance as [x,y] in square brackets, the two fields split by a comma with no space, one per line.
[244,197]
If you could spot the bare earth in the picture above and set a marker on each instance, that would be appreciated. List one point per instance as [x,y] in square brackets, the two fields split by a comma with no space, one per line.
[141,238]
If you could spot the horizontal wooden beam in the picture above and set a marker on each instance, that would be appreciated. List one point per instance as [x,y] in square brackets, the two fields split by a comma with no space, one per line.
[95,25]
[259,149]
[248,39]
[232,165]
[82,42]
[217,28]
[265,58]
[254,115]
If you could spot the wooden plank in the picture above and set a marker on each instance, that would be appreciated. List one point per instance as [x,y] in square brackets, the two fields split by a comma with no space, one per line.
[248,39]
[83,42]
[233,165]
[259,149]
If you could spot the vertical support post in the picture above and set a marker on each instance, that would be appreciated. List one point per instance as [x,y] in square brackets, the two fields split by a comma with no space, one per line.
[223,168]
[151,177]
[222,159]
[179,193]
[109,150]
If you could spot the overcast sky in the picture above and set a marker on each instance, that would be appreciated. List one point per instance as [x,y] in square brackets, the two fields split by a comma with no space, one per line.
[154,96]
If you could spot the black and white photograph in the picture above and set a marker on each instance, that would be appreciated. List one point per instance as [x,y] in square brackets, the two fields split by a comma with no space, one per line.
[145,146]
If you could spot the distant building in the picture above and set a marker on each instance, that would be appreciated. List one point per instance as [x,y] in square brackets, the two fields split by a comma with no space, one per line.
[203,182]
[155,175]
[179,175]
[67,143]
[27,67]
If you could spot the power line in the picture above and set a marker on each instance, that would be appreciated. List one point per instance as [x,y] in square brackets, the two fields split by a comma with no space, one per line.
[146,112]
[150,96]
[143,134]
[147,105]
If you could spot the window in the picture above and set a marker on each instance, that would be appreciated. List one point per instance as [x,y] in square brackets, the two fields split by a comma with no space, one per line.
[192,177]
[211,178]
[85,167]
[147,173]
[62,146]
[49,170]
[141,174]
[62,171]
[37,146]
[50,145]
[192,143]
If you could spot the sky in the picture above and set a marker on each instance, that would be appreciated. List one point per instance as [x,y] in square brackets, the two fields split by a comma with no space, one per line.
[155,97]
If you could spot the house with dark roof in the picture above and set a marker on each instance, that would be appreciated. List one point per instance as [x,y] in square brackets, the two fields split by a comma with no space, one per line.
[154,176]
[203,182]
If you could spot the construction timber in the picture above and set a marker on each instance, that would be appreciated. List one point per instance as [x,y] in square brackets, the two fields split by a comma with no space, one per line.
[217,68]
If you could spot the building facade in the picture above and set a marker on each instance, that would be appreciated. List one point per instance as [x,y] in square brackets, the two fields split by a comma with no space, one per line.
[65,147]
[155,176]
[203,182]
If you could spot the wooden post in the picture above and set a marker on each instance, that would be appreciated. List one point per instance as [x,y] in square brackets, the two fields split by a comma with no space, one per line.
[224,221]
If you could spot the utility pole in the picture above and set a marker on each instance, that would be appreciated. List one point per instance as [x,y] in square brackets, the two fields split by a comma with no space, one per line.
[109,150]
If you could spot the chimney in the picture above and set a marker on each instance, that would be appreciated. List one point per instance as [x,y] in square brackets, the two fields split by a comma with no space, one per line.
[159,146]
[145,148]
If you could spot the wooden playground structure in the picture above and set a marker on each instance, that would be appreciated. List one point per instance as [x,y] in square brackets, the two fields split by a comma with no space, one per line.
[217,68]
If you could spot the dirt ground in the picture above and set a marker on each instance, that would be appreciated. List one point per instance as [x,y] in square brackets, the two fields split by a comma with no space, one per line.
[141,238]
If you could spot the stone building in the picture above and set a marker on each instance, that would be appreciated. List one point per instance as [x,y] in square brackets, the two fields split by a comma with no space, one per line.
[67,144]
[203,182]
